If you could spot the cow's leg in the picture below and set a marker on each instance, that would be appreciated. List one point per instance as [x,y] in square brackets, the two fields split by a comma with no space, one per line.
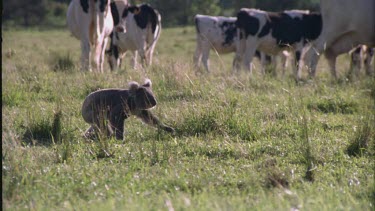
[310,58]
[284,61]
[205,56]
[272,59]
[97,54]
[134,59]
[240,50]
[297,64]
[356,61]
[331,58]
[150,53]
[114,58]
[248,60]
[198,53]
[251,47]
[142,54]
[85,56]
[102,54]
[369,54]
[263,62]
[268,62]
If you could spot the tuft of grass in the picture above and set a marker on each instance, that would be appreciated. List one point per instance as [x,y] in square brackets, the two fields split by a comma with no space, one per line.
[240,128]
[197,124]
[62,63]
[309,159]
[362,138]
[57,126]
[38,132]
[43,131]
[13,98]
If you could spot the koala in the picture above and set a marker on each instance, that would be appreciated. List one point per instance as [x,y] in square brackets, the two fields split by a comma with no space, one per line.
[106,110]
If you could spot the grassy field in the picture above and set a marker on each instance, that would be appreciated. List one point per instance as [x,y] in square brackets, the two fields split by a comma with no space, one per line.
[260,143]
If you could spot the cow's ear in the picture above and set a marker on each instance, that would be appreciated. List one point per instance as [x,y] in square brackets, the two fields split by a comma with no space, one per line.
[147,83]
[137,10]
[133,86]
[134,9]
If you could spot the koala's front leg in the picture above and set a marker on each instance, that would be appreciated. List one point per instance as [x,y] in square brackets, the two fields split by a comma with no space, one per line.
[89,133]
[116,121]
[148,118]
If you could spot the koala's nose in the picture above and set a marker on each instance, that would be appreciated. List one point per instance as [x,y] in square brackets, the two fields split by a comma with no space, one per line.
[152,102]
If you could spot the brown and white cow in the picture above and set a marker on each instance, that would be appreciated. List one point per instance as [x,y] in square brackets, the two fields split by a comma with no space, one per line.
[219,34]
[272,32]
[91,22]
[346,24]
[141,32]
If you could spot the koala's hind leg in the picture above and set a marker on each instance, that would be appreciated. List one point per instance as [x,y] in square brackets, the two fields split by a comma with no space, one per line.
[148,118]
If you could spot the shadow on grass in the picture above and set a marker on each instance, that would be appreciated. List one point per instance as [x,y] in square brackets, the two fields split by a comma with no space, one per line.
[334,106]
[44,132]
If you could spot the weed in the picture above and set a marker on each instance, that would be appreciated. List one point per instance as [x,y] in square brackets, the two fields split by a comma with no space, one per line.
[38,132]
[362,138]
[56,126]
[62,63]
[198,124]
[13,98]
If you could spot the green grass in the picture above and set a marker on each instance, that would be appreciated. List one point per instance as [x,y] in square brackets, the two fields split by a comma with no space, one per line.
[261,143]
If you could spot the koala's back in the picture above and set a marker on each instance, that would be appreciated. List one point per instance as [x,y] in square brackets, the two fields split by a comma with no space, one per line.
[104,98]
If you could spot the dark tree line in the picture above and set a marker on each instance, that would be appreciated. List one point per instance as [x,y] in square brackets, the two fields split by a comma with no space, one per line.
[174,12]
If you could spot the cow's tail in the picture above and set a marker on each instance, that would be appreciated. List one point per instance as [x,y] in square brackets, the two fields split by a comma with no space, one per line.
[157,31]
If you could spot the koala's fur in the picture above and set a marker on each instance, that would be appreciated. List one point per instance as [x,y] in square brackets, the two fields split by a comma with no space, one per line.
[107,109]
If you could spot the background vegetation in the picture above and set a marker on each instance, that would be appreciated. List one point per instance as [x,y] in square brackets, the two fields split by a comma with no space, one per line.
[52,13]
[260,143]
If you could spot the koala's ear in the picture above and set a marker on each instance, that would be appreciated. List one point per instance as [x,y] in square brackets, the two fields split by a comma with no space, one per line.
[133,86]
[147,83]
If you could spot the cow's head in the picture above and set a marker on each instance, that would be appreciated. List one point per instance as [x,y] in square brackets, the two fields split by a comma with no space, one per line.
[113,56]
[127,13]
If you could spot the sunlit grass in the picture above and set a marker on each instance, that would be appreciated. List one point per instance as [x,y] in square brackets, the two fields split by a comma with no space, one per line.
[241,143]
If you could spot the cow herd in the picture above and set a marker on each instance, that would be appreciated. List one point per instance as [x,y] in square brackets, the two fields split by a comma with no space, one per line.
[130,28]
[341,26]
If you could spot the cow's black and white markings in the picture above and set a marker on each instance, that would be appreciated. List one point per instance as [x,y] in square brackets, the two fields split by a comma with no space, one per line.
[272,33]
[141,31]
[219,34]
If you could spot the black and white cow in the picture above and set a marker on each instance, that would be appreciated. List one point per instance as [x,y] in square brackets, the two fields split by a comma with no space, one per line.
[346,24]
[272,32]
[142,27]
[218,33]
[91,22]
